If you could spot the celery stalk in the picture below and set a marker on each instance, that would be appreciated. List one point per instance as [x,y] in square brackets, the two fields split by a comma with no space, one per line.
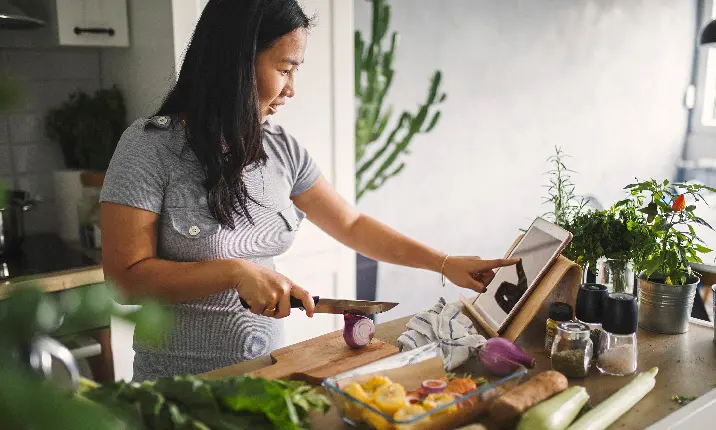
[618,403]
[556,413]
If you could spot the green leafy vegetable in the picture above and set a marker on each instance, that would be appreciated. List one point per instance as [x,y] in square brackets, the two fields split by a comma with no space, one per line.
[236,403]
[28,402]
[478,381]
[682,400]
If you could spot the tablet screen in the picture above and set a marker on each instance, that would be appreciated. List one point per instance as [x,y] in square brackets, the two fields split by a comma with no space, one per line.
[504,292]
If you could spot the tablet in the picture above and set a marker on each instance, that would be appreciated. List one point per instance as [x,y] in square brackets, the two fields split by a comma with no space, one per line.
[538,249]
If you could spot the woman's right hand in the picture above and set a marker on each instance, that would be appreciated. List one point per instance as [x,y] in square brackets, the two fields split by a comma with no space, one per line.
[267,292]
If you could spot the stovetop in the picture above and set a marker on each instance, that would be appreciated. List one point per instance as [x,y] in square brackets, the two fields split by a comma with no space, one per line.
[40,254]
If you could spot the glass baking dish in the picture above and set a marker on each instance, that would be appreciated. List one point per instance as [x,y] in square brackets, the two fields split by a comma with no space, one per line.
[409,369]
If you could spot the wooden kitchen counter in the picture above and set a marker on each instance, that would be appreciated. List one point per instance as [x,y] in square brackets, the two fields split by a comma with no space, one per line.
[687,366]
[57,281]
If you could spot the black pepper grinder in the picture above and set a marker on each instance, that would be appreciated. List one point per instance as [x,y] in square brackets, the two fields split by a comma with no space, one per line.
[589,310]
[618,347]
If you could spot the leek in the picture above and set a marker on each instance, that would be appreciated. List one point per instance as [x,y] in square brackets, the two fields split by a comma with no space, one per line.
[615,406]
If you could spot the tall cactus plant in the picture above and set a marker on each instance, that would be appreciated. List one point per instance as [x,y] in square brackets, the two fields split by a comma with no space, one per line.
[378,157]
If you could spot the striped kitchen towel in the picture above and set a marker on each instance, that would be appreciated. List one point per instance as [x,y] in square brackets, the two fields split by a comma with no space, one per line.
[445,324]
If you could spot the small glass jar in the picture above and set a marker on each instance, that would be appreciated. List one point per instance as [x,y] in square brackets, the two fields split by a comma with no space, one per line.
[617,354]
[595,334]
[558,312]
[572,349]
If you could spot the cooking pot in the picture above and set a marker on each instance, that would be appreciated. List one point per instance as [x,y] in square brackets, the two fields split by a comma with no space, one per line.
[12,225]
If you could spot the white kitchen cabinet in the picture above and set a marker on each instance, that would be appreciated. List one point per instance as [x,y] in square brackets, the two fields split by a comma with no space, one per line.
[92,23]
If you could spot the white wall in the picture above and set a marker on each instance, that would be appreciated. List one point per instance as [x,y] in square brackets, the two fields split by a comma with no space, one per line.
[145,71]
[602,79]
[46,77]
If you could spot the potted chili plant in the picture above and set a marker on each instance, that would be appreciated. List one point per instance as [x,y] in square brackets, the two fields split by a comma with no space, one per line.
[667,284]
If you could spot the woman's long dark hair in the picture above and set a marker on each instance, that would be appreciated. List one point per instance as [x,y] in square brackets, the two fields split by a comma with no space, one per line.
[217,95]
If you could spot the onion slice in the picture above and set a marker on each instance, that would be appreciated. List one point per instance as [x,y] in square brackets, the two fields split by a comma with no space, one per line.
[433,386]
[358,330]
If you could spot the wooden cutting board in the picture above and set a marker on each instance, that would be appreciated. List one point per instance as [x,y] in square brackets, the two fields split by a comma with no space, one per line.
[316,359]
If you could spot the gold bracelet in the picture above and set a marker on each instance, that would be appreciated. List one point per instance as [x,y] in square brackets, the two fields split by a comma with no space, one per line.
[442,269]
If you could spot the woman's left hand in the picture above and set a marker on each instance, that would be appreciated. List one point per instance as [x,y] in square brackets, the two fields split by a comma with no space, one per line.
[473,273]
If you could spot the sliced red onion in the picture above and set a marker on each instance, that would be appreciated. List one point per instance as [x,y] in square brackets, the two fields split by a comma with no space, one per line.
[501,356]
[358,330]
[433,385]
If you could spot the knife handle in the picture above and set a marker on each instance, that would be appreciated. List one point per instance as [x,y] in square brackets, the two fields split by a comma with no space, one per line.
[295,302]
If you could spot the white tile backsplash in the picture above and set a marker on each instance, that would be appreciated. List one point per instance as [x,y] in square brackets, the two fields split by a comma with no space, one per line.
[63,63]
[46,78]
[37,158]
[7,181]
[45,95]
[5,160]
[26,128]
[38,184]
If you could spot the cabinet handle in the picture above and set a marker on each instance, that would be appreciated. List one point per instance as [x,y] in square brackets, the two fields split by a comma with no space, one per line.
[94,30]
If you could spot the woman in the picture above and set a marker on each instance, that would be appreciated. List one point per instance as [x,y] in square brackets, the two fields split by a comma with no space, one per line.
[199,198]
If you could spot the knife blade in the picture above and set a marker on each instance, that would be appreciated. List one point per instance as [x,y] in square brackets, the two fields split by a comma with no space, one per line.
[340,306]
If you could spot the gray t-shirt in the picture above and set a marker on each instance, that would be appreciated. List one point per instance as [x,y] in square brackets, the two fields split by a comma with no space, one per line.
[154,169]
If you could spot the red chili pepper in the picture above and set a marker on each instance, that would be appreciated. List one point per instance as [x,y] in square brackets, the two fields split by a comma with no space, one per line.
[679,204]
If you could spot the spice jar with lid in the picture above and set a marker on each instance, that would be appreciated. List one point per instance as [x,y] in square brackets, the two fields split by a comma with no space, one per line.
[558,312]
[589,310]
[618,347]
[572,349]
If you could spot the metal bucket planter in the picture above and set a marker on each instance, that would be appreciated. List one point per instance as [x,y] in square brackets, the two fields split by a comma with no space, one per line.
[666,308]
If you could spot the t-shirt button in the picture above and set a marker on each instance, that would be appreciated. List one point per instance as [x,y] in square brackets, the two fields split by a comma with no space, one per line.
[194,230]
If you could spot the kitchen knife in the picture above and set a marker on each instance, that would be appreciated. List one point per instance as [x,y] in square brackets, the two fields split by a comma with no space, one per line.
[338,306]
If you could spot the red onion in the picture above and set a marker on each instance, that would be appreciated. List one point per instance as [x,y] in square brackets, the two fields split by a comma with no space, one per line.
[499,355]
[433,386]
[358,330]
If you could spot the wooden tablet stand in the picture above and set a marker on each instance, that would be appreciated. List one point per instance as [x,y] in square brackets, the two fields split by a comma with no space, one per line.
[559,284]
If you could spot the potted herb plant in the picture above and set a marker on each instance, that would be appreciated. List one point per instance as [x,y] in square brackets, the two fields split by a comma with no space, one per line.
[604,241]
[667,284]
[87,128]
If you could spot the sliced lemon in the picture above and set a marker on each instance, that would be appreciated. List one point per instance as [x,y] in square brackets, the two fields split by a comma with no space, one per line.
[353,411]
[390,398]
[376,382]
[438,399]
[407,413]
[357,391]
[376,420]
